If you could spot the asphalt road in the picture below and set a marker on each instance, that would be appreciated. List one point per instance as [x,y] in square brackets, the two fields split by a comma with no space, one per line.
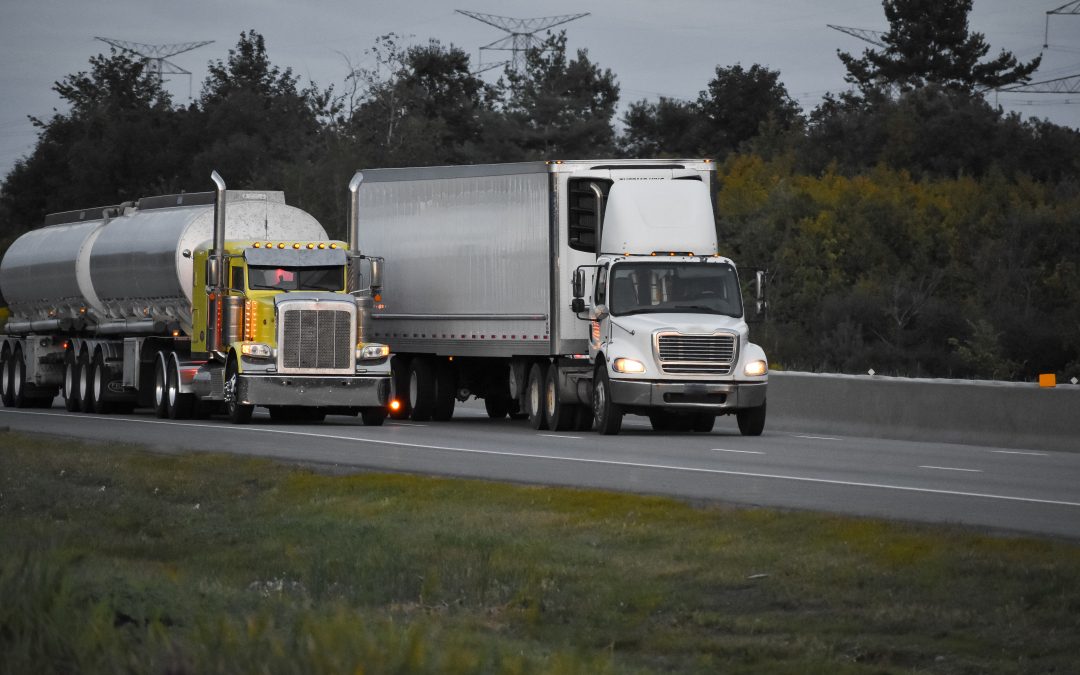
[1029,491]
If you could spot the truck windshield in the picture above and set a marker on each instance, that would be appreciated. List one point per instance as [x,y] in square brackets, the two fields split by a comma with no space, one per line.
[330,278]
[689,287]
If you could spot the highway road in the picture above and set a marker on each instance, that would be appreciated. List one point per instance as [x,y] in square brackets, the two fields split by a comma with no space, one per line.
[1028,490]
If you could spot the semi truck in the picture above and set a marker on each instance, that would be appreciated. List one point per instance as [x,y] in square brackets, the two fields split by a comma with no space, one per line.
[570,292]
[193,304]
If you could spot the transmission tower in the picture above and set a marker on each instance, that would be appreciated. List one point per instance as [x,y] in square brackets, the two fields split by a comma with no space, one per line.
[1068,8]
[866,35]
[1059,85]
[522,34]
[155,56]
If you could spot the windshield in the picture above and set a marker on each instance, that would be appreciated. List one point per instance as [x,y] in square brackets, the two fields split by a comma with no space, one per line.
[331,278]
[695,287]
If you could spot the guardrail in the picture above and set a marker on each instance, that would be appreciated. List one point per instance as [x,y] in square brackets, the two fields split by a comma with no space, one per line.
[1001,414]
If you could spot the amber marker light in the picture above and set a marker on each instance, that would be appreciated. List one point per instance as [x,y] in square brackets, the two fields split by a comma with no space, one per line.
[322,246]
[256,245]
[281,245]
[395,405]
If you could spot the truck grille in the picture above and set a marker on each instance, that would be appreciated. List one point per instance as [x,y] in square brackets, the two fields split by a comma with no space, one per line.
[700,354]
[316,340]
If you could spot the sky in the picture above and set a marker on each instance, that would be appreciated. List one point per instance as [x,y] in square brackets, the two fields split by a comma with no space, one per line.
[654,47]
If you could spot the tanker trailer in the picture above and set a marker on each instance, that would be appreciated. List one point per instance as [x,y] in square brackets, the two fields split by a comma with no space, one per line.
[193,304]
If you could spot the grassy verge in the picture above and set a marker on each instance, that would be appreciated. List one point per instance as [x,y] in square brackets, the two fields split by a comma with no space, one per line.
[114,559]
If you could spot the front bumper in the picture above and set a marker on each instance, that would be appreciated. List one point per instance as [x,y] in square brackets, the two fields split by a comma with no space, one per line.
[361,391]
[700,396]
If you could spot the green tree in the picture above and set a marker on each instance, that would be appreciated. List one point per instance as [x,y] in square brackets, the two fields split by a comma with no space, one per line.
[560,107]
[666,128]
[928,42]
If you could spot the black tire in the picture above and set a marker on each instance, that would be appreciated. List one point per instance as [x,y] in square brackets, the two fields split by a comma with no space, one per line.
[399,386]
[704,422]
[751,420]
[179,405]
[421,389]
[373,417]
[19,395]
[607,413]
[86,397]
[238,413]
[497,406]
[515,411]
[99,385]
[534,396]
[583,418]
[561,416]
[71,383]
[445,391]
[161,384]
[5,378]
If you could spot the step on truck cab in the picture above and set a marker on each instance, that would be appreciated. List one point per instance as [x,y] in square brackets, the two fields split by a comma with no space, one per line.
[193,304]
[568,292]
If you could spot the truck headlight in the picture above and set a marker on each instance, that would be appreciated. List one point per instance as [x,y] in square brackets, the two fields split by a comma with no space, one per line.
[622,365]
[756,369]
[372,352]
[256,350]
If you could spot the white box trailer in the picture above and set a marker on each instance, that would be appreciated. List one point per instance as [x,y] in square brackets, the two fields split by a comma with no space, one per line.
[482,298]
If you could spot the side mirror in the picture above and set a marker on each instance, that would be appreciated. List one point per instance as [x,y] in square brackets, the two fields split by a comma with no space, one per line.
[600,312]
[578,284]
[376,272]
[577,305]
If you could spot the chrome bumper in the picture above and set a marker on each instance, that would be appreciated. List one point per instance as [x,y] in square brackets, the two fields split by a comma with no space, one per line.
[315,390]
[703,396]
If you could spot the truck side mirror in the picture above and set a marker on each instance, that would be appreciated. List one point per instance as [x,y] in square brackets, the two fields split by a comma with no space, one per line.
[578,285]
[577,305]
[376,273]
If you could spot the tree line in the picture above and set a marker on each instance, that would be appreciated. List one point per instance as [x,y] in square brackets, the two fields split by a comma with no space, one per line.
[907,225]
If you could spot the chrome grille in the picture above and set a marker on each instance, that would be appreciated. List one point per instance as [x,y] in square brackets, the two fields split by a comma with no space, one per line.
[316,340]
[689,354]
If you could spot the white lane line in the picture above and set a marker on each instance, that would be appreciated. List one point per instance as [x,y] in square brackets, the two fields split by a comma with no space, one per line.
[1021,452]
[580,460]
[577,438]
[744,452]
[951,468]
[819,438]
[404,424]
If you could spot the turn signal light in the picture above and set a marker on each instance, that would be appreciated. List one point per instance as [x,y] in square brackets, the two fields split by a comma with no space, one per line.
[395,405]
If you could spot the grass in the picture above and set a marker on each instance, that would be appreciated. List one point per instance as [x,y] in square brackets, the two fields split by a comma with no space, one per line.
[115,559]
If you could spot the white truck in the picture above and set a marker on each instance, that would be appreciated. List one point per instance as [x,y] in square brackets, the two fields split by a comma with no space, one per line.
[568,291]
[192,303]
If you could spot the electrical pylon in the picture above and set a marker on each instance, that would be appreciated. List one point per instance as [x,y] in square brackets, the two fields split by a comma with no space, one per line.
[156,56]
[864,34]
[522,34]
[1059,85]
[1067,8]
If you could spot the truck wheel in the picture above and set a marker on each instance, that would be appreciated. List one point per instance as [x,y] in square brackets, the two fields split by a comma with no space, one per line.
[421,389]
[751,420]
[399,386]
[237,413]
[99,385]
[373,417]
[583,417]
[445,391]
[6,369]
[178,405]
[86,399]
[515,411]
[497,406]
[19,399]
[560,415]
[607,413]
[704,422]
[534,396]
[71,383]
[161,378]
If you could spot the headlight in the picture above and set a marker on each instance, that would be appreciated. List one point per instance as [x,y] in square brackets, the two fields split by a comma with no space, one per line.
[372,351]
[756,369]
[622,365]
[256,350]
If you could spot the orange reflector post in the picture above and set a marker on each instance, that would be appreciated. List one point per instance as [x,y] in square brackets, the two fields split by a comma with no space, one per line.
[1047,380]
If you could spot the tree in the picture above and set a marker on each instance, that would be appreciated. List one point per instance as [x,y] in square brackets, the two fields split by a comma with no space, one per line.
[558,107]
[928,42]
[667,128]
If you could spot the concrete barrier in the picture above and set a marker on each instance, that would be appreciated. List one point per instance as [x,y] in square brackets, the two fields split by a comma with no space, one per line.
[1002,414]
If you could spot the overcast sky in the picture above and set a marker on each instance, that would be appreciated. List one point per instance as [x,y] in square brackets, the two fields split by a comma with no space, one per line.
[654,47]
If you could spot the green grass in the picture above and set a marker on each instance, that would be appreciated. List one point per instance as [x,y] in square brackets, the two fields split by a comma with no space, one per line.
[115,559]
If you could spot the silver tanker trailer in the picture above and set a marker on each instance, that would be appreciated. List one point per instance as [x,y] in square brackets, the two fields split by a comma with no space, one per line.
[149,304]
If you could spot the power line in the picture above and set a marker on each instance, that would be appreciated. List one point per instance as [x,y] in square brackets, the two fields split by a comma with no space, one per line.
[522,34]
[155,55]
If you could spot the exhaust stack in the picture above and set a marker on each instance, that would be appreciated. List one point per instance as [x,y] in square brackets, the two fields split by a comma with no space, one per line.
[217,254]
[354,212]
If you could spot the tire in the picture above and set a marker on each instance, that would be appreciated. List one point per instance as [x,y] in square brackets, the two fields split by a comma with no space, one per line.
[421,389]
[704,422]
[99,385]
[583,418]
[515,411]
[86,398]
[17,385]
[178,405]
[71,383]
[607,413]
[373,417]
[534,396]
[445,391]
[238,413]
[399,386]
[161,383]
[660,421]
[751,420]
[561,416]
[497,406]
[6,371]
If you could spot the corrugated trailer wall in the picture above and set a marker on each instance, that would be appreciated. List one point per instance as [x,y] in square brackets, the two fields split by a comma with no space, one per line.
[468,258]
